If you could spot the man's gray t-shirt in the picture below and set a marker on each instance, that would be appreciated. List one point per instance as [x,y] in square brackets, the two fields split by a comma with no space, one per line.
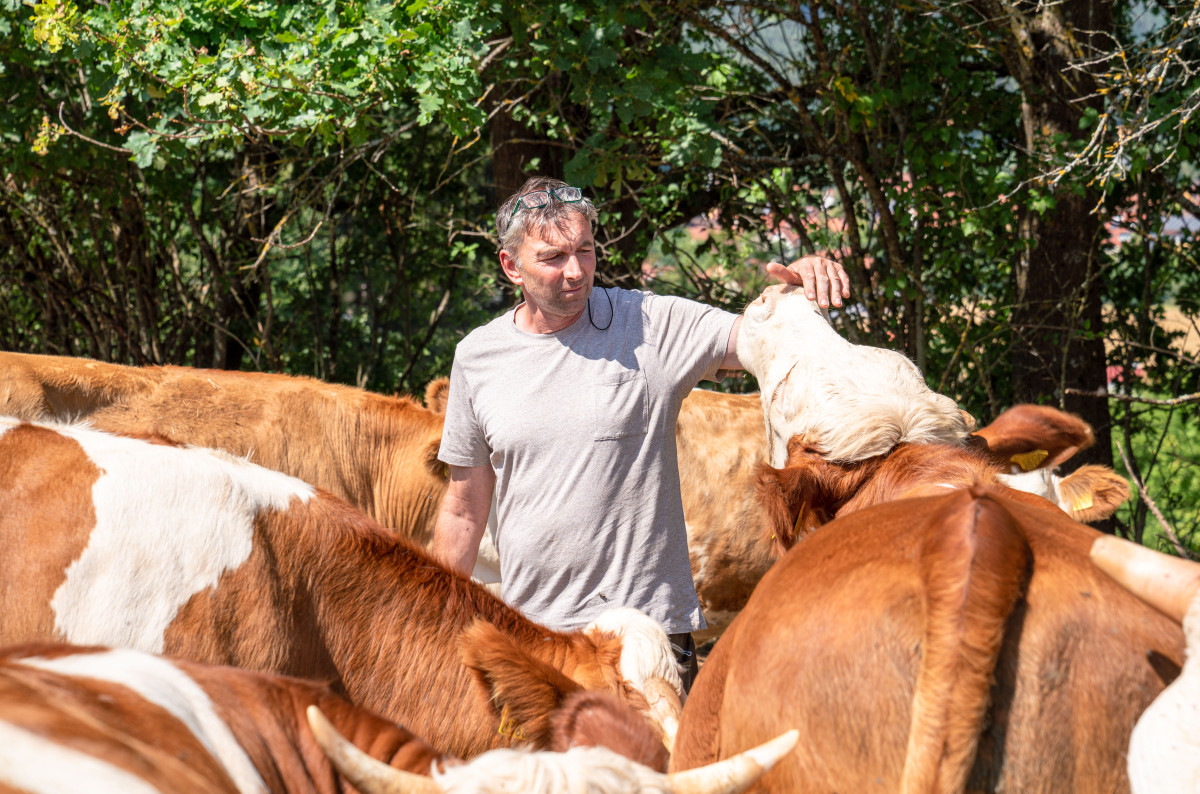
[579,426]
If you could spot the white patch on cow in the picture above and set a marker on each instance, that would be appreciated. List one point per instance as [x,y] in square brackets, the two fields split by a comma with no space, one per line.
[1040,482]
[583,770]
[645,649]
[1164,750]
[169,522]
[162,683]
[37,765]
[7,423]
[849,402]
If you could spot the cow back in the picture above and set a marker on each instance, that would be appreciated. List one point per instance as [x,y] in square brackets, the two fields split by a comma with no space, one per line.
[377,452]
[843,640]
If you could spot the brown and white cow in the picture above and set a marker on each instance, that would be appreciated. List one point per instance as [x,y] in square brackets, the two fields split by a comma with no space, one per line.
[118,720]
[955,642]
[1164,751]
[837,413]
[722,447]
[376,452]
[106,540]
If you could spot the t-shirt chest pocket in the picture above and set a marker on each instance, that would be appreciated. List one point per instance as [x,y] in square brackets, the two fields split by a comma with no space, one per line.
[620,406]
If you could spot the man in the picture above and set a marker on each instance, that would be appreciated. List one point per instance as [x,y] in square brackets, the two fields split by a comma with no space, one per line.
[567,406]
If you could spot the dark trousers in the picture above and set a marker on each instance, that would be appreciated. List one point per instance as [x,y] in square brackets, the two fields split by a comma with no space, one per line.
[685,653]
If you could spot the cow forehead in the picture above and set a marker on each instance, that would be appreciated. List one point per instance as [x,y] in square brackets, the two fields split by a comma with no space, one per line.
[169,522]
[38,765]
[162,683]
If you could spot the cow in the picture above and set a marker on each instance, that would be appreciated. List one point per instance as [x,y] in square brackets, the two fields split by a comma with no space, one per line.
[103,719]
[1027,442]
[722,448]
[107,540]
[954,641]
[836,413]
[376,452]
[1164,751]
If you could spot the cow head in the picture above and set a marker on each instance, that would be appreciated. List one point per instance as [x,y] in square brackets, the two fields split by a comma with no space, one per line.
[588,770]
[624,653]
[850,402]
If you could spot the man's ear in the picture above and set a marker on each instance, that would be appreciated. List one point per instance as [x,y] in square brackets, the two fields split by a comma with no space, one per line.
[508,263]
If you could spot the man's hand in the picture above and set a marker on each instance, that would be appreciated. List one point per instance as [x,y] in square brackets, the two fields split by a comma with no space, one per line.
[822,279]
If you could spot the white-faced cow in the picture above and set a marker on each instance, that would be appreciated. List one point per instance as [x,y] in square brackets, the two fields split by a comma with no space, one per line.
[961,641]
[106,540]
[1164,752]
[722,448]
[378,453]
[583,770]
[119,720]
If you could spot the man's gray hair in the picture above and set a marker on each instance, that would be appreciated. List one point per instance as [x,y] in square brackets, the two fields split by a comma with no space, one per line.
[512,230]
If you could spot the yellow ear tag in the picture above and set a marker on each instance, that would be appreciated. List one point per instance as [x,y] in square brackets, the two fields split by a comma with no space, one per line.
[1082,502]
[1028,461]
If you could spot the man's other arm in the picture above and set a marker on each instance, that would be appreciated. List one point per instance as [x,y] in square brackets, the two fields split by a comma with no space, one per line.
[824,281]
[462,517]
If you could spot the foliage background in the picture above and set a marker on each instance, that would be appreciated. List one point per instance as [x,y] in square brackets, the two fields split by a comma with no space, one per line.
[308,187]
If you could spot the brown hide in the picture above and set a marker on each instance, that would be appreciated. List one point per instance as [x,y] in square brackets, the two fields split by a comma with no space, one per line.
[721,442]
[117,725]
[326,593]
[811,490]
[592,719]
[722,446]
[378,453]
[954,642]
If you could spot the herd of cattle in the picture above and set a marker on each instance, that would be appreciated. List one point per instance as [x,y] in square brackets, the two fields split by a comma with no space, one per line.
[210,578]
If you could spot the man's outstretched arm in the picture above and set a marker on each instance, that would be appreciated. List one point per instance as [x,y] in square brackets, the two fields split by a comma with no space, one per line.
[824,281]
[462,517]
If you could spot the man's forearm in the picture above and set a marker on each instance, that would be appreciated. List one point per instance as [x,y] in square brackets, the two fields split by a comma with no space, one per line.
[456,542]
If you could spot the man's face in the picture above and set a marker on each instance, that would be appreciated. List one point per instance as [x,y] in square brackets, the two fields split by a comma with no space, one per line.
[556,269]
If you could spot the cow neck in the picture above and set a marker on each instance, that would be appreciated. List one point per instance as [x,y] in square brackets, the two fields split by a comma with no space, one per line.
[391,621]
[380,443]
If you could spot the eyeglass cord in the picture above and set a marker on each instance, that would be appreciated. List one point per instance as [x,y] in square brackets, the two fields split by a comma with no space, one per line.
[611,313]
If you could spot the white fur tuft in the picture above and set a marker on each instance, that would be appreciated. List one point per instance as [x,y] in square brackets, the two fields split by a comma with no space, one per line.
[580,770]
[646,651]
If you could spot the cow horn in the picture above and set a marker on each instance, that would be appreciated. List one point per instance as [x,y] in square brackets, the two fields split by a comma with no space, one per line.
[364,772]
[1169,584]
[733,774]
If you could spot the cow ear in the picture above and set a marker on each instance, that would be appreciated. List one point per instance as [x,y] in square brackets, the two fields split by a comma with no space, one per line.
[1034,436]
[524,691]
[792,504]
[436,394]
[1093,493]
